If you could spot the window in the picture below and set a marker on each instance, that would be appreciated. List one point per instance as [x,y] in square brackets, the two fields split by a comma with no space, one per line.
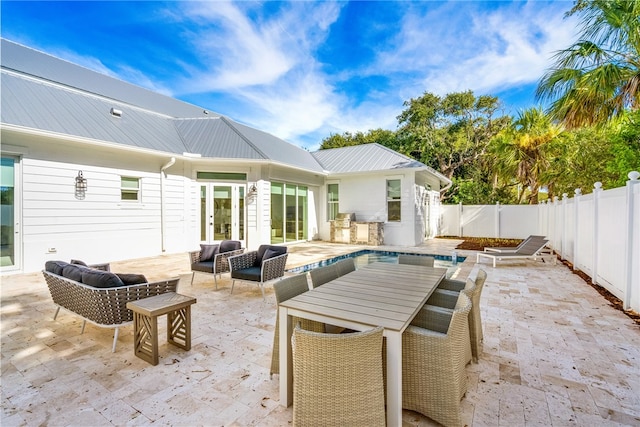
[332,201]
[394,193]
[130,188]
[289,212]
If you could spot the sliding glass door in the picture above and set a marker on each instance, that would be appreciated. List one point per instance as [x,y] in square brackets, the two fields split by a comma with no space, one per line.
[289,212]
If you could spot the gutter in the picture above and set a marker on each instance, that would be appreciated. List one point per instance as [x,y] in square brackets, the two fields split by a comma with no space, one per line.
[170,163]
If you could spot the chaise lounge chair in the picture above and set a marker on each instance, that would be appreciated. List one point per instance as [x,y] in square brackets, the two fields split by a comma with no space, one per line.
[532,250]
[504,250]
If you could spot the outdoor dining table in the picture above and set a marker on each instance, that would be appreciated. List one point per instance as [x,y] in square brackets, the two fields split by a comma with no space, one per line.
[378,294]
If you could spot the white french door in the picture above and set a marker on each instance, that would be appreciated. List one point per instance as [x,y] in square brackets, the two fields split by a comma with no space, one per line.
[222,212]
[10,239]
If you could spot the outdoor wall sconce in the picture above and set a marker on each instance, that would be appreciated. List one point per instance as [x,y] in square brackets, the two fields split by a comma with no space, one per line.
[253,190]
[81,185]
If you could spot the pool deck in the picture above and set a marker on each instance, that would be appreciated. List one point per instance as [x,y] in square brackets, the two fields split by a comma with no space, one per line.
[555,353]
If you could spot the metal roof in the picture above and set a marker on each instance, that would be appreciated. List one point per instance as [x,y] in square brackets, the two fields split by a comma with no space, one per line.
[368,158]
[32,62]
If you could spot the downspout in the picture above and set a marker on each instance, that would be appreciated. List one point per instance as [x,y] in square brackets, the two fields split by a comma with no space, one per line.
[162,208]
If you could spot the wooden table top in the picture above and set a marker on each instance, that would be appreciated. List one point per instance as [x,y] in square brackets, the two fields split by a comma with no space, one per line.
[379,294]
[161,304]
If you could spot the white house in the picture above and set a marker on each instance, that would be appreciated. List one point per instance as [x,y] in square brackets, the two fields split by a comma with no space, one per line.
[102,170]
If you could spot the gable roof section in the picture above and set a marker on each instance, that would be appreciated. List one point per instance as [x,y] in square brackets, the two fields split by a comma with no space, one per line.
[44,66]
[369,158]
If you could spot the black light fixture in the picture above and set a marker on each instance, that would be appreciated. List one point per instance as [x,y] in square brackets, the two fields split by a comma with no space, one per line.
[81,185]
[253,190]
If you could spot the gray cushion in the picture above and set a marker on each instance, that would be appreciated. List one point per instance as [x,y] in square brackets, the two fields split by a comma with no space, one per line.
[132,279]
[207,252]
[77,261]
[55,267]
[101,279]
[74,272]
[263,248]
[270,253]
[251,273]
[229,245]
[205,267]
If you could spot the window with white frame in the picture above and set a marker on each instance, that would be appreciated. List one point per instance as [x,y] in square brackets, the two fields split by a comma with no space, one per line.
[394,200]
[130,188]
[332,201]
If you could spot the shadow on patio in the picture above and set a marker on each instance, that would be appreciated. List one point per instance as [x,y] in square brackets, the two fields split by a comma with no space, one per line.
[555,353]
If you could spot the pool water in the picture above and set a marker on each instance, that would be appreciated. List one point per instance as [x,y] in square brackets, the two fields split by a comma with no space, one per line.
[369,256]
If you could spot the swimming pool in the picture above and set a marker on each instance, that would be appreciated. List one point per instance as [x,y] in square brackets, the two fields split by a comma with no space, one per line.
[368,256]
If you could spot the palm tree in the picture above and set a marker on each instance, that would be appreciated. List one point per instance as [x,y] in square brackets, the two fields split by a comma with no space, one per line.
[598,77]
[521,151]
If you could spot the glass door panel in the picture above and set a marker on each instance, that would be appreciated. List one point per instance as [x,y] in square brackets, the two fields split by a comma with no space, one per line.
[302,213]
[7,214]
[222,213]
[277,212]
[291,212]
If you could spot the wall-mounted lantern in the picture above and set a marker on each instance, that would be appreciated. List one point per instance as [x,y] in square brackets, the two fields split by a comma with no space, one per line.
[81,186]
[253,190]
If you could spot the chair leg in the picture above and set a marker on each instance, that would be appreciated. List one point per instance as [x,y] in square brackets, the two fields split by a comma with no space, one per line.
[115,340]
[233,283]
[84,323]
[215,279]
[192,276]
[261,285]
[57,311]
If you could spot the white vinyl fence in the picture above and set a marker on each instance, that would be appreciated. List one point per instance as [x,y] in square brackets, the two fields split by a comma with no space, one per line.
[599,233]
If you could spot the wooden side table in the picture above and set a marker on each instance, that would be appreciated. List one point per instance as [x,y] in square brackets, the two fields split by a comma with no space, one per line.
[177,307]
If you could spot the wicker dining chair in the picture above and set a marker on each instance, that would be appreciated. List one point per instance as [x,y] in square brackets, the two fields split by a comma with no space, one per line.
[337,379]
[345,266]
[285,289]
[445,297]
[433,366]
[426,261]
[322,275]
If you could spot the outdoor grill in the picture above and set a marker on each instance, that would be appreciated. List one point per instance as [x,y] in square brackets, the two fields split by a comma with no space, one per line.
[343,220]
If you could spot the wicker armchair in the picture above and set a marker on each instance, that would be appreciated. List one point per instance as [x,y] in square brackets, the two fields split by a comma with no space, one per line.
[104,307]
[285,289]
[433,366]
[263,265]
[337,379]
[426,261]
[215,259]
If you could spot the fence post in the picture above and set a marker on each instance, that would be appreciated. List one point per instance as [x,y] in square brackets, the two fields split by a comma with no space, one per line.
[576,226]
[597,187]
[460,226]
[633,180]
[497,220]
[563,225]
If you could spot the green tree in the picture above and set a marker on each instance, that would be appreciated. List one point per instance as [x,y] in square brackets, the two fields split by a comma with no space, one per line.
[448,133]
[598,77]
[521,153]
[381,136]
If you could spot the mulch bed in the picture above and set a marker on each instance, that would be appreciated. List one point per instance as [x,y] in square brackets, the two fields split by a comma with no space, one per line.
[479,243]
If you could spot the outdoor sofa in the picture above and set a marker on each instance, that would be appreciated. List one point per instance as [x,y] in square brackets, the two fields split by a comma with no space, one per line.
[97,295]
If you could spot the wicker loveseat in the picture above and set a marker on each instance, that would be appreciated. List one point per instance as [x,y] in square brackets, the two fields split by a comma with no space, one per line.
[102,299]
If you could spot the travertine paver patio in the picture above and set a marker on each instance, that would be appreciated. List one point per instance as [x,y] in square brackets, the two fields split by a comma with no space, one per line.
[555,353]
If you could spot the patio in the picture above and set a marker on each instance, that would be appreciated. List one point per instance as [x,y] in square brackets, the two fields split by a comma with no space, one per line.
[555,353]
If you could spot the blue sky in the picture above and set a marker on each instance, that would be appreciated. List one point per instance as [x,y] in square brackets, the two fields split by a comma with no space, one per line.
[302,70]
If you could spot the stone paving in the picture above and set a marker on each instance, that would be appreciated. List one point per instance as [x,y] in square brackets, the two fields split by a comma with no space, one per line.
[555,353]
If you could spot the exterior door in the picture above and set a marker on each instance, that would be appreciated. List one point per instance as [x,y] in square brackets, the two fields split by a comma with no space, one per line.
[10,242]
[222,212]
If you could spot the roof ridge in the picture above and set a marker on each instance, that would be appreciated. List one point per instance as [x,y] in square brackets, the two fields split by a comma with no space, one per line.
[229,123]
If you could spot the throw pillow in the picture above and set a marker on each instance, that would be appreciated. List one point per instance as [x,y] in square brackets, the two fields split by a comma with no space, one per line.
[77,261]
[229,245]
[101,279]
[131,279]
[270,253]
[207,252]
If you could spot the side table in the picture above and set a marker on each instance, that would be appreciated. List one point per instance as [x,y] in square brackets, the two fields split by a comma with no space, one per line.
[177,307]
